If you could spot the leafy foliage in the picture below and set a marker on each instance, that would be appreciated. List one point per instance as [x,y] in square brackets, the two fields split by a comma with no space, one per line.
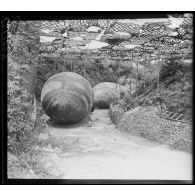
[20,55]
[95,71]
[170,68]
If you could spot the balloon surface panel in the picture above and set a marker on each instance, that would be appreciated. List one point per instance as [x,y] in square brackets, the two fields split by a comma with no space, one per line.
[67,97]
[105,93]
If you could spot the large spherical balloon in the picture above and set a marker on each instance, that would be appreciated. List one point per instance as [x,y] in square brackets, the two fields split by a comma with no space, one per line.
[106,92]
[67,97]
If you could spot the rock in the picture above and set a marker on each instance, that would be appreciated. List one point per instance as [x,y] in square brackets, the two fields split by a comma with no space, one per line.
[109,37]
[173,34]
[65,35]
[122,33]
[95,45]
[77,38]
[133,46]
[67,97]
[94,29]
[47,31]
[106,93]
[46,39]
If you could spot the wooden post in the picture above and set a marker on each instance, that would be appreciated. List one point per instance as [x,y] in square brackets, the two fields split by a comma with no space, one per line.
[149,75]
[118,81]
[136,76]
[98,71]
[84,68]
[158,76]
[131,72]
[145,70]
[64,61]
[71,64]
[116,77]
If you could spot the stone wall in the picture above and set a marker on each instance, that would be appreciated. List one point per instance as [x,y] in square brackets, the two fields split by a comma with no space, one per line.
[145,122]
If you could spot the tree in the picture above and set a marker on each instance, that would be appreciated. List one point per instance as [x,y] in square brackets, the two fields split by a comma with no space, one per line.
[22,70]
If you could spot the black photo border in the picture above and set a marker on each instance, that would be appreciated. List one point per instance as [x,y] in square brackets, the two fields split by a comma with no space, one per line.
[7,16]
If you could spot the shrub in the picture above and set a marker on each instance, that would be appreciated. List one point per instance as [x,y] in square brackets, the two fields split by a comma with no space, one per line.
[22,62]
[19,132]
[170,68]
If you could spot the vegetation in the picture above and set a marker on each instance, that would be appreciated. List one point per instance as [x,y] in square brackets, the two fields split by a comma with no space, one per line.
[20,91]
[23,43]
[145,122]
[174,89]
[94,70]
[173,86]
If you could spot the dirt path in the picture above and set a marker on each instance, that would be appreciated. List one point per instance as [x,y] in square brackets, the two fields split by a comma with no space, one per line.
[100,151]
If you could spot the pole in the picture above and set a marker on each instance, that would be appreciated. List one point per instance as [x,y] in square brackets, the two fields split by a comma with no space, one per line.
[145,70]
[118,80]
[98,71]
[116,76]
[64,61]
[158,75]
[71,64]
[84,68]
[131,72]
[149,75]
[136,76]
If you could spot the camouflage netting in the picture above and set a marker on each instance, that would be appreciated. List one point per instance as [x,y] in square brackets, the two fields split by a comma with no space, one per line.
[145,122]
[106,93]
[67,97]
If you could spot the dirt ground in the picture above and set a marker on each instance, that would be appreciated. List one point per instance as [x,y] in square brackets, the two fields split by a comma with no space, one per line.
[100,151]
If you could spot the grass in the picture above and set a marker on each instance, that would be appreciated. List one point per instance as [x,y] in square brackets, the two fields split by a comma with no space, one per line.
[28,165]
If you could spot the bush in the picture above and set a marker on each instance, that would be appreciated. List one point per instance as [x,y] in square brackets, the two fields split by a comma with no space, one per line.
[146,123]
[128,102]
[171,68]
[144,85]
